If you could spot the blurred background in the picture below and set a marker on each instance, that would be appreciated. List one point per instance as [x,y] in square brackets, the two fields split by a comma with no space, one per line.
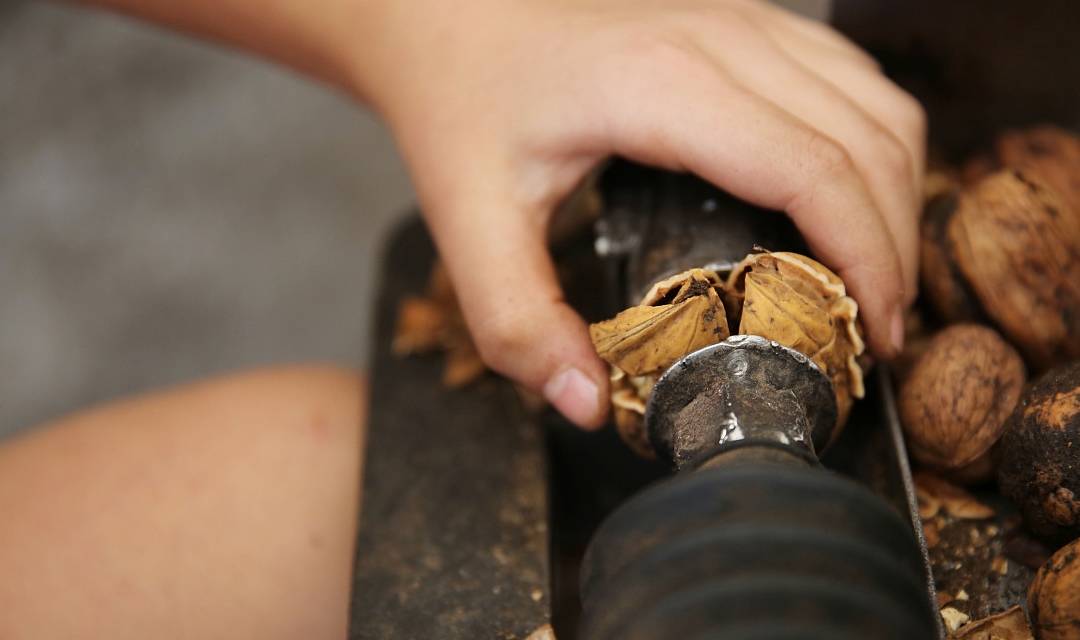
[170,210]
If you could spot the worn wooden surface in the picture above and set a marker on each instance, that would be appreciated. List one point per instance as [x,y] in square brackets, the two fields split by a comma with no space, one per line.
[453,532]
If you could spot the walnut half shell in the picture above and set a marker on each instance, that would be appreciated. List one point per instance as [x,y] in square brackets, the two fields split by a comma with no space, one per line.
[679,315]
[785,297]
[801,304]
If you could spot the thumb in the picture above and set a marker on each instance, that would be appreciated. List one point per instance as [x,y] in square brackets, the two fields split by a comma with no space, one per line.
[497,258]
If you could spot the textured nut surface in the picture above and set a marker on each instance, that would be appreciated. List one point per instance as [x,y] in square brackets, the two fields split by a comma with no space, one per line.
[958,395]
[942,284]
[1054,596]
[678,315]
[801,304]
[650,337]
[1016,243]
[1010,624]
[1049,153]
[1040,455]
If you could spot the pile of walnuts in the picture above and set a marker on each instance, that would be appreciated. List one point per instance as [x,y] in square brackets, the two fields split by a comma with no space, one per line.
[1000,283]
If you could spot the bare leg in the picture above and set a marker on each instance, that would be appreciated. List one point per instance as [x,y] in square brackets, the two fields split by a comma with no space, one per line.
[223,509]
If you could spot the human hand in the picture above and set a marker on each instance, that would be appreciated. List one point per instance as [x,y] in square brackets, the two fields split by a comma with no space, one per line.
[502,108]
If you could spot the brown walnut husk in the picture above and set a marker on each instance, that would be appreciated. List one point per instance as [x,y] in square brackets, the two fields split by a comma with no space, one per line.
[1040,455]
[801,304]
[1008,249]
[1054,596]
[679,315]
[1010,624]
[955,401]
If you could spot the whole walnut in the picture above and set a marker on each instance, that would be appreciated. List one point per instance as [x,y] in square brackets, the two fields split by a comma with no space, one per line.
[1053,598]
[959,393]
[1040,455]
[1008,249]
[1049,153]
[939,277]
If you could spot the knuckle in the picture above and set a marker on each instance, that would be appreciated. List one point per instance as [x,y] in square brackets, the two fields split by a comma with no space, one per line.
[501,340]
[912,116]
[665,50]
[827,157]
[894,157]
[662,48]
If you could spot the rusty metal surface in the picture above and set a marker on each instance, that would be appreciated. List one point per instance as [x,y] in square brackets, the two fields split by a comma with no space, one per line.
[453,539]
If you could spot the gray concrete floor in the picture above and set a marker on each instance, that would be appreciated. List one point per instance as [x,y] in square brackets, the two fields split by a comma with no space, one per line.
[169,210]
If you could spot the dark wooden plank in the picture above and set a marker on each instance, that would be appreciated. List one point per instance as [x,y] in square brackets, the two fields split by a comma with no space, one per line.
[453,533]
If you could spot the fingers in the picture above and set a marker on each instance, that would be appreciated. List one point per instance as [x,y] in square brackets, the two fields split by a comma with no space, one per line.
[757,151]
[785,25]
[495,252]
[904,117]
[882,159]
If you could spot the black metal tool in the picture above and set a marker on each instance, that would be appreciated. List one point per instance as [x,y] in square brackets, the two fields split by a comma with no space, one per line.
[752,538]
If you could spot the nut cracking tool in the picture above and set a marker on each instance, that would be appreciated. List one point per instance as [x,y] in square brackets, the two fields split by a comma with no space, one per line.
[752,537]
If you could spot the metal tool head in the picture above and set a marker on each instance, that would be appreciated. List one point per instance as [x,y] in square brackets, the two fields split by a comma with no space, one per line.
[744,390]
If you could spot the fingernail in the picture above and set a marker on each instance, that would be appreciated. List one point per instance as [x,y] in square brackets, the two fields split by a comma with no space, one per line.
[896,331]
[574,394]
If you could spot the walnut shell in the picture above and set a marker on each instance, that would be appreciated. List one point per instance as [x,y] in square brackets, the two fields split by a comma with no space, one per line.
[1040,469]
[1010,624]
[1017,245]
[1049,153]
[941,281]
[1053,598]
[801,304]
[958,395]
[678,315]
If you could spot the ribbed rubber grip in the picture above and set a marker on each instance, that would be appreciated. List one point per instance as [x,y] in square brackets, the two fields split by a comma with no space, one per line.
[756,551]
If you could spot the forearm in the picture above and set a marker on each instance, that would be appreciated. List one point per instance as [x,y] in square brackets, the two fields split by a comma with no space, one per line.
[320,39]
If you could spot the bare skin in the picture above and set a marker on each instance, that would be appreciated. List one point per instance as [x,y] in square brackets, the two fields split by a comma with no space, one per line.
[222,509]
[228,509]
[500,108]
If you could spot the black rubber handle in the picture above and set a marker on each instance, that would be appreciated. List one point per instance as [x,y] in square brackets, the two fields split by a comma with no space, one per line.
[754,551]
